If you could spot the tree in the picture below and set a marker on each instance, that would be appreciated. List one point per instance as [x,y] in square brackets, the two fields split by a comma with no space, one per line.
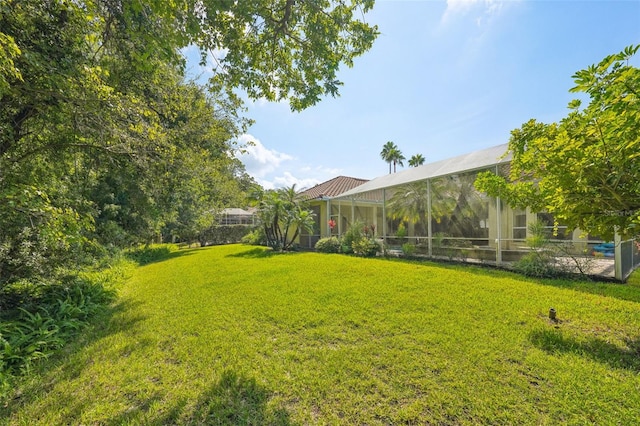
[277,50]
[410,203]
[283,215]
[102,143]
[387,153]
[585,169]
[416,160]
[396,158]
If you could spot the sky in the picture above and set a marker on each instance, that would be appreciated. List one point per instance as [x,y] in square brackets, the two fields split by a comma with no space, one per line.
[442,79]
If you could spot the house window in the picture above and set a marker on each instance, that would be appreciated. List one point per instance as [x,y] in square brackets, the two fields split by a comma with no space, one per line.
[519,225]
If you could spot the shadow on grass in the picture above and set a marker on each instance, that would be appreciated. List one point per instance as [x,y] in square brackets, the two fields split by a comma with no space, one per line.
[232,400]
[629,291]
[156,253]
[255,253]
[599,350]
[70,362]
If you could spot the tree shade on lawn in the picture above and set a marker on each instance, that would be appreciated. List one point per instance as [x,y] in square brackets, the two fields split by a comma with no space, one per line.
[240,335]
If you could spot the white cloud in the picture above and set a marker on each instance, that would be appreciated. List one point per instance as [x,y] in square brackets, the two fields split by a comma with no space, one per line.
[483,10]
[258,160]
[288,179]
[272,169]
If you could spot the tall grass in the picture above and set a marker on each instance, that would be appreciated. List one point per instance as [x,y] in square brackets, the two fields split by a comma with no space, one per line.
[237,335]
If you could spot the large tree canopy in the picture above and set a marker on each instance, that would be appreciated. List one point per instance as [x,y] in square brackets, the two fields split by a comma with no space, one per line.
[102,140]
[276,49]
[586,168]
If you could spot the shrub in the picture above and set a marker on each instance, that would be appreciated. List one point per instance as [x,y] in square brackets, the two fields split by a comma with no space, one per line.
[38,318]
[328,245]
[355,233]
[408,249]
[150,253]
[365,247]
[541,259]
[255,238]
[535,265]
[224,234]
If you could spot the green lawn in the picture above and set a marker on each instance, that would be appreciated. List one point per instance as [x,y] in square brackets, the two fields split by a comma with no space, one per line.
[234,335]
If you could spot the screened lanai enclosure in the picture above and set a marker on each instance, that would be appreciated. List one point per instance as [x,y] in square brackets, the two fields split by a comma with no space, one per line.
[436,208]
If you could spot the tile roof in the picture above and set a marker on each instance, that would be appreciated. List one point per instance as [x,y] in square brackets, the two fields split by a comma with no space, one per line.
[332,187]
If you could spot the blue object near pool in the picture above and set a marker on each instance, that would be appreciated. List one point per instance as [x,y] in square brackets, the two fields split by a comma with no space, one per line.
[606,249]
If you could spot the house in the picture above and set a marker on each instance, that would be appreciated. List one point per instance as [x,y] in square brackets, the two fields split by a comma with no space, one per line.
[237,216]
[319,198]
[437,208]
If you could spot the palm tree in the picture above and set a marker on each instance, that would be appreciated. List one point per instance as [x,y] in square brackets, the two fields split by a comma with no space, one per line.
[281,211]
[397,158]
[409,203]
[387,151]
[416,160]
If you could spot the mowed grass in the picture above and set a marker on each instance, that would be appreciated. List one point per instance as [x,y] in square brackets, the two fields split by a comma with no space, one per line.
[235,335]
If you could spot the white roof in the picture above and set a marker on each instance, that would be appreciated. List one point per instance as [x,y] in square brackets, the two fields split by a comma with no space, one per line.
[467,162]
[234,211]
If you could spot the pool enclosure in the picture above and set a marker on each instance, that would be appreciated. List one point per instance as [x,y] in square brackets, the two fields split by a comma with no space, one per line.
[436,208]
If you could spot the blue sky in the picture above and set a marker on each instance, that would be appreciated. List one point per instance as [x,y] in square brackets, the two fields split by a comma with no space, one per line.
[442,79]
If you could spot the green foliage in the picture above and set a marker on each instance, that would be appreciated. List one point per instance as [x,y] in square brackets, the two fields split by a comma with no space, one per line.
[37,319]
[292,51]
[541,259]
[359,239]
[328,245]
[255,237]
[408,249]
[103,142]
[409,203]
[401,232]
[150,253]
[444,245]
[365,247]
[416,160]
[224,234]
[585,169]
[105,145]
[283,215]
[391,154]
[354,233]
[343,340]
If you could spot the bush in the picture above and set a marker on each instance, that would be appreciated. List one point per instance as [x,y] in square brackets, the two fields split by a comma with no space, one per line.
[224,234]
[408,249]
[541,259]
[145,254]
[328,245]
[365,247]
[38,318]
[355,233]
[255,238]
[534,265]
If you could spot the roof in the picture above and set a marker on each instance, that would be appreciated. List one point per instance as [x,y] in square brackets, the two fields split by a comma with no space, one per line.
[467,162]
[332,187]
[234,211]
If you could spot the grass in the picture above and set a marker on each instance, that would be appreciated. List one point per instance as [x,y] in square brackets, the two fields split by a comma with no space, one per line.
[236,335]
